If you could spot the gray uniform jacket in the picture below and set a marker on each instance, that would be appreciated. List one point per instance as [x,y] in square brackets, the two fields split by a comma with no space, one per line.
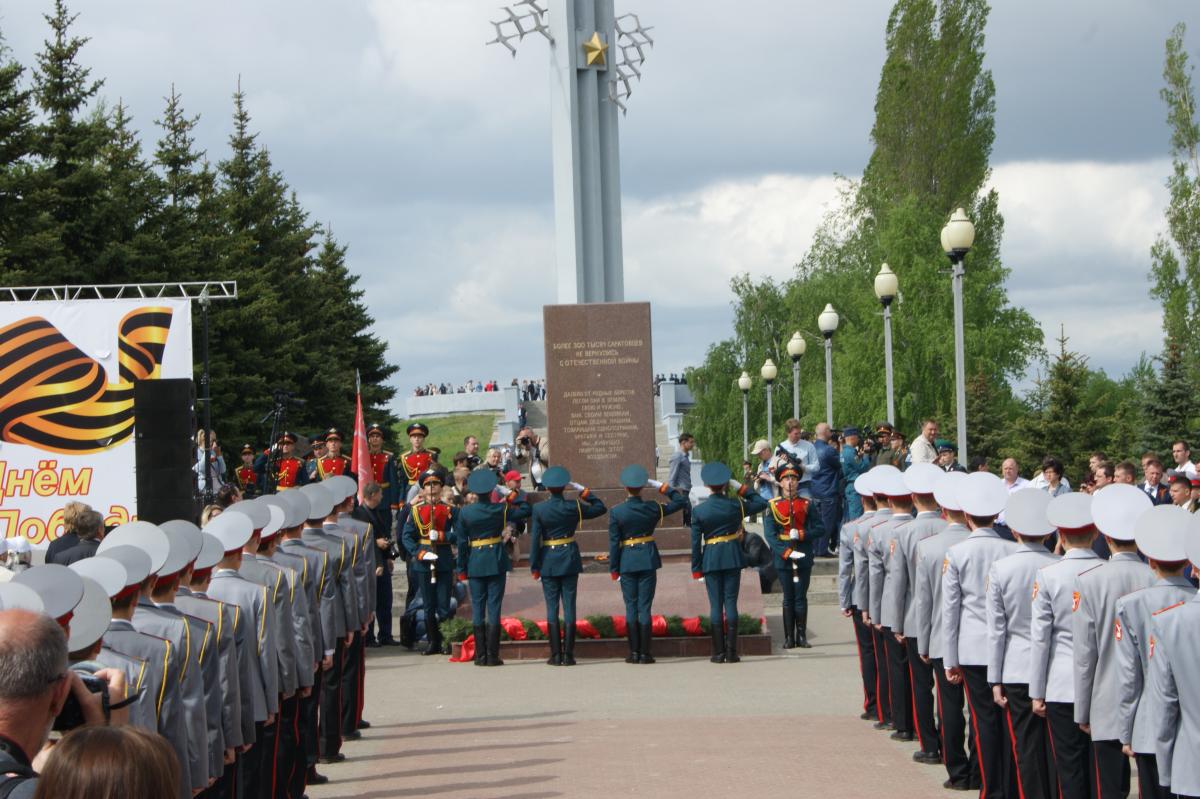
[229,586]
[1175,680]
[334,588]
[1051,658]
[1009,609]
[306,657]
[204,642]
[884,566]
[874,565]
[161,656]
[169,624]
[860,588]
[221,617]
[931,562]
[141,678]
[900,597]
[964,596]
[1138,709]
[845,582]
[356,605]
[313,576]
[280,639]
[364,564]
[1097,673]
[245,657]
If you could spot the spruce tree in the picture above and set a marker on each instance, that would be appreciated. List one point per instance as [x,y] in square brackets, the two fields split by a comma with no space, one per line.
[1169,402]
[131,249]
[16,143]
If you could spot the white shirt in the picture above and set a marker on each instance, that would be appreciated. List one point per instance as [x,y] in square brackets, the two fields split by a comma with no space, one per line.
[1015,485]
[1041,482]
[806,453]
[922,451]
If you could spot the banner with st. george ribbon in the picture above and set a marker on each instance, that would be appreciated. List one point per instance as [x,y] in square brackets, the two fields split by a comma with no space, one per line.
[67,371]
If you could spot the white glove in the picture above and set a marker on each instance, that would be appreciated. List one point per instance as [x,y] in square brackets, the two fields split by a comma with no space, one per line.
[796,555]
[654,483]
[736,485]
[433,535]
[794,535]
[576,486]
[427,555]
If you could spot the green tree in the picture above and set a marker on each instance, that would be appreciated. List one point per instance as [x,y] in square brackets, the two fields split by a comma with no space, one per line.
[16,145]
[1169,402]
[131,249]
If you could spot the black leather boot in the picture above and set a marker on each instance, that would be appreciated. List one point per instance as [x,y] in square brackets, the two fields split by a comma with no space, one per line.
[555,658]
[493,645]
[632,633]
[718,643]
[647,633]
[789,626]
[434,637]
[480,644]
[408,631]
[568,657]
[802,630]
[731,653]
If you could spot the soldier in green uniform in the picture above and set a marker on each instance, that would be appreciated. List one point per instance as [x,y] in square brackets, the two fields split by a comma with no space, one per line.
[633,555]
[483,560]
[717,553]
[428,534]
[789,528]
[554,556]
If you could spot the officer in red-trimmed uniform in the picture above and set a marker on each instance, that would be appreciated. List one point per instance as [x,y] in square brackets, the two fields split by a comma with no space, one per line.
[247,475]
[291,469]
[427,532]
[334,463]
[383,467]
[413,463]
[310,461]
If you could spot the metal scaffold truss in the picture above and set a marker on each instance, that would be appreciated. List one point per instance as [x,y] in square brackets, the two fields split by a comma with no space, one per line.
[199,290]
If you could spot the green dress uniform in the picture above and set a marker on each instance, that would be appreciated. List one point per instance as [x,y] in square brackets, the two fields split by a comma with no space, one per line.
[790,527]
[554,556]
[428,527]
[717,554]
[483,560]
[633,555]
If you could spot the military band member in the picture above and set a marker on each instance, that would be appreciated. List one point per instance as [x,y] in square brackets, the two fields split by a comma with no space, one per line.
[554,556]
[1115,511]
[384,470]
[291,471]
[480,535]
[1174,655]
[428,534]
[962,771]
[920,479]
[247,476]
[1161,534]
[415,462]
[717,559]
[1009,609]
[318,451]
[790,529]
[1051,635]
[848,577]
[964,624]
[633,557]
[334,463]
[883,567]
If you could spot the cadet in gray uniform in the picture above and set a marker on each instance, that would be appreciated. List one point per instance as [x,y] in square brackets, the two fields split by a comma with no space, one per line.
[1052,661]
[1161,534]
[364,586]
[883,568]
[863,595]
[1174,656]
[356,607]
[964,623]
[962,770]
[920,478]
[853,531]
[1009,608]
[1097,687]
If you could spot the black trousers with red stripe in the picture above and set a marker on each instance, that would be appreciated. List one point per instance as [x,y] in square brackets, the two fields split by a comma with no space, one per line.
[897,657]
[289,764]
[1072,750]
[1112,770]
[991,738]
[1148,787]
[331,703]
[1030,746]
[352,658]
[883,694]
[921,685]
[310,725]
[866,662]
[962,768]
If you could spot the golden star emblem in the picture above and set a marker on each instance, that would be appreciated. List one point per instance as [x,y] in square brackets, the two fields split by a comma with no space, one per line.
[594,50]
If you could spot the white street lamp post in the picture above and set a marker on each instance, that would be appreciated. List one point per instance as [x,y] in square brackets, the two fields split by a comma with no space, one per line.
[957,237]
[744,382]
[795,348]
[769,372]
[828,322]
[887,286]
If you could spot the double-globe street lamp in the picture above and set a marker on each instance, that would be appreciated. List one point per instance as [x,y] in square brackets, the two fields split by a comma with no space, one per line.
[828,322]
[744,383]
[769,372]
[957,237]
[887,286]
[795,349]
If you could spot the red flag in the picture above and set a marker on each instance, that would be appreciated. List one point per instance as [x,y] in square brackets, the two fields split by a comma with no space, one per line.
[359,456]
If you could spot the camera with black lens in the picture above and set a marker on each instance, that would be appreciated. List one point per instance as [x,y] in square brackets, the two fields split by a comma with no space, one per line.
[393,550]
[71,715]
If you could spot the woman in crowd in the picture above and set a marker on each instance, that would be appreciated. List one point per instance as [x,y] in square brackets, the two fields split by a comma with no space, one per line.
[109,763]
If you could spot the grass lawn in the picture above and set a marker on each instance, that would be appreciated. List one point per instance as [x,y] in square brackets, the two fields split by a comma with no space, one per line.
[448,433]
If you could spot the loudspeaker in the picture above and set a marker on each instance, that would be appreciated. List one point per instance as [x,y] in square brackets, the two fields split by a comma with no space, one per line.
[165,451]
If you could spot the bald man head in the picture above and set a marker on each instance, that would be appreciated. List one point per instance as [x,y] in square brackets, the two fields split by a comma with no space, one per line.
[33,671]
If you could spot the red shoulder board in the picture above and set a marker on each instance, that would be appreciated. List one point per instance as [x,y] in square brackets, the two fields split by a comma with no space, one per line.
[1168,607]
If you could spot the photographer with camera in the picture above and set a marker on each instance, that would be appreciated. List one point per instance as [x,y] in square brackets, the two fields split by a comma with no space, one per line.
[856,460]
[372,511]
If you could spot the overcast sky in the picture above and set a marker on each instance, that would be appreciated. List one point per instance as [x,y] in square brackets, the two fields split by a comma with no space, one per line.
[428,152]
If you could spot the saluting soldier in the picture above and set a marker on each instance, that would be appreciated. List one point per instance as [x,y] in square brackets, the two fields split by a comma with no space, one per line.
[246,475]
[334,463]
[1051,635]
[790,528]
[633,556]
[480,535]
[1009,610]
[383,469]
[554,555]
[717,559]
[962,771]
[964,626]
[1161,534]
[848,577]
[1097,675]
[884,566]
[415,462]
[428,533]
[1174,656]
[291,471]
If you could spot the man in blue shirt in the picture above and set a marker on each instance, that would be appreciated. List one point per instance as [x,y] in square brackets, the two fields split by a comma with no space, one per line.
[827,491]
[854,462]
